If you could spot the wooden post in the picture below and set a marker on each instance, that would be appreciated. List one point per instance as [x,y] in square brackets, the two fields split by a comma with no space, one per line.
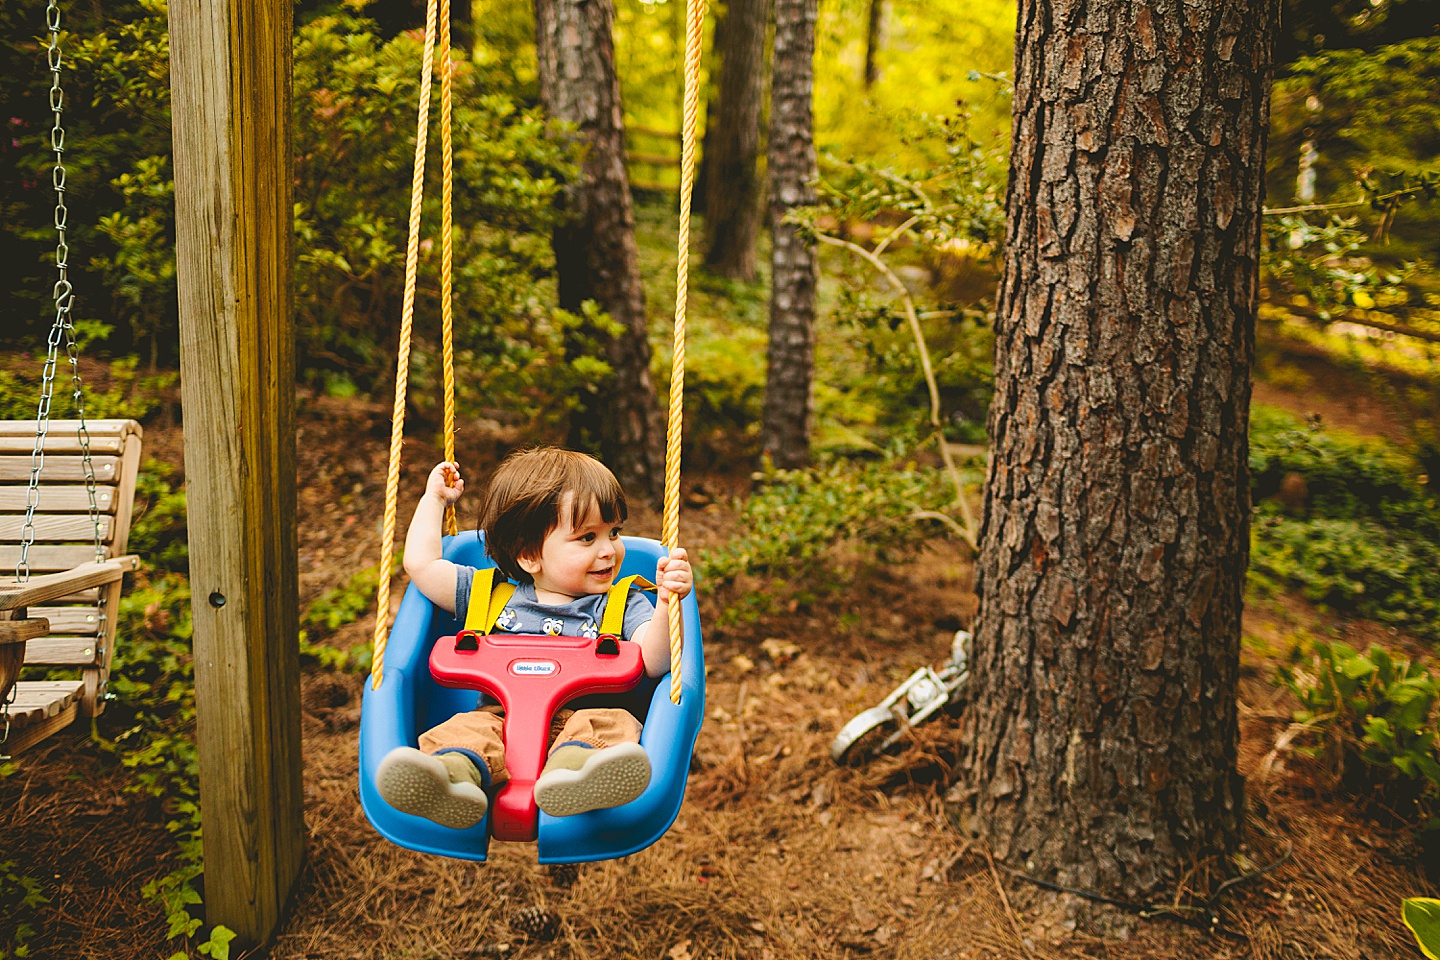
[230,89]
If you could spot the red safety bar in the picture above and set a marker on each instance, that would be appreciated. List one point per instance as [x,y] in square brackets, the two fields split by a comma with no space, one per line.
[532,677]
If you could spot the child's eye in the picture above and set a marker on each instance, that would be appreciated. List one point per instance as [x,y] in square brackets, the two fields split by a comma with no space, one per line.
[588,538]
[615,533]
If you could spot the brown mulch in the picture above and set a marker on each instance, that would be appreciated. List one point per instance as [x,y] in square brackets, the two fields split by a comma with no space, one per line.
[777,855]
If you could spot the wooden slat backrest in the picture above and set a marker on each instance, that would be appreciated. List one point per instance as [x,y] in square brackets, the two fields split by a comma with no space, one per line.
[54,528]
[60,429]
[72,636]
[48,557]
[63,532]
[16,468]
[62,500]
[53,651]
[58,499]
[67,619]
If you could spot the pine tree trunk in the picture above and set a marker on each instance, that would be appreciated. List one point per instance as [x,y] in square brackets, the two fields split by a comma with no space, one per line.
[794,271]
[732,190]
[595,253]
[1115,536]
[874,37]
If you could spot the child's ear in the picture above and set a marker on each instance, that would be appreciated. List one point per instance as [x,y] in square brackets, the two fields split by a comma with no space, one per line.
[529,564]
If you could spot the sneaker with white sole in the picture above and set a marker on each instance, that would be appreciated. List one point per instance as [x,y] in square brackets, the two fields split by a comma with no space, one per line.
[577,778]
[444,787]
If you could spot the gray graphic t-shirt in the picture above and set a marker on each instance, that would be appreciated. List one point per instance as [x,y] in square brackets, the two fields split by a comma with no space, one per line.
[578,618]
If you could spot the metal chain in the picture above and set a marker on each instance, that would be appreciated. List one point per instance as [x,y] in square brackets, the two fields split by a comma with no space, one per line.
[64,295]
[5,702]
[63,327]
[101,615]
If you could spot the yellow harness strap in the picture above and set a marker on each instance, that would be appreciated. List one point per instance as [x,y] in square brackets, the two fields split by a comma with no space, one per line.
[618,598]
[481,617]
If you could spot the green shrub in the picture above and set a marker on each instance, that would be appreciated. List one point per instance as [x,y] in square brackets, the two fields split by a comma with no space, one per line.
[336,608]
[725,393]
[794,518]
[157,531]
[1323,264]
[1422,916]
[154,682]
[120,393]
[1353,566]
[873,383]
[1372,718]
[1356,531]
[1346,477]
[354,121]
[22,895]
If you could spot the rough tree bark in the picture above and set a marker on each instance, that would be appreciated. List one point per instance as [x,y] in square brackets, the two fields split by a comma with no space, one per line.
[595,253]
[1115,536]
[794,271]
[732,191]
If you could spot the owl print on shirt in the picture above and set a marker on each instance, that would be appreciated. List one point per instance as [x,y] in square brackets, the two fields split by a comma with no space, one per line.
[506,620]
[552,626]
[591,630]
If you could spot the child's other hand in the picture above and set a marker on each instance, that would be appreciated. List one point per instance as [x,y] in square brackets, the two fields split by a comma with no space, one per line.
[445,483]
[673,575]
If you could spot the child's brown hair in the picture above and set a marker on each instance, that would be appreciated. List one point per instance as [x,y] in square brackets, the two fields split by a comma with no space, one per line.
[522,504]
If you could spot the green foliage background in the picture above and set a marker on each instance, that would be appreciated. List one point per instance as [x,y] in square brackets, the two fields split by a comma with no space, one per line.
[1364,541]
[354,110]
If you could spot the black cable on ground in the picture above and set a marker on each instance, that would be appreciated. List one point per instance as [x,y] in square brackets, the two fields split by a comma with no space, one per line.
[1207,919]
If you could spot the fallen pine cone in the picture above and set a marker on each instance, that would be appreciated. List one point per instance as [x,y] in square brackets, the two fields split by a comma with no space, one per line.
[564,875]
[537,923]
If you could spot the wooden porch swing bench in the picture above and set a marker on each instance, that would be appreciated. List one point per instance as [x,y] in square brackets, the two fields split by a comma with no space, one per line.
[64,615]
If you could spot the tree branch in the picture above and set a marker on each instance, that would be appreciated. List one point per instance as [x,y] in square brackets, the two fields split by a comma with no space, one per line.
[970,533]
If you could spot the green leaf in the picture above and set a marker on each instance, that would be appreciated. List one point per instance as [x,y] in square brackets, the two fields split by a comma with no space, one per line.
[1357,667]
[218,946]
[1422,916]
[1378,731]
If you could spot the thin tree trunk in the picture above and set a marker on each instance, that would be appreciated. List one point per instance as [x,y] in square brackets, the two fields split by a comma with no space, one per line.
[718,42]
[732,192]
[595,253]
[1115,535]
[874,39]
[462,24]
[794,271]
[1309,154]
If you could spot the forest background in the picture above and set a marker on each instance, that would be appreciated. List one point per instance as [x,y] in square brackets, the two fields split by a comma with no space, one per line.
[1349,276]
[1352,105]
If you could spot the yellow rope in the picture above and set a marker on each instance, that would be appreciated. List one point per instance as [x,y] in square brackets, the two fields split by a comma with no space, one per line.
[439,10]
[402,358]
[670,524]
[447,284]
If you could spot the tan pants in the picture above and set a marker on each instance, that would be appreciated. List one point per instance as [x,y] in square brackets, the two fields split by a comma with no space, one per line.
[483,731]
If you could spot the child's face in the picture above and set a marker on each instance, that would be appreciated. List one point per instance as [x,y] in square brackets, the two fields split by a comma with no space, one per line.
[576,561]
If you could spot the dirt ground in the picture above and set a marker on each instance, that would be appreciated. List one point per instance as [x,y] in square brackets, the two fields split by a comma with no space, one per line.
[777,855]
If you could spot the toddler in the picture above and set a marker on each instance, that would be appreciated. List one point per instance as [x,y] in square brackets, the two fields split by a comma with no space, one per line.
[552,521]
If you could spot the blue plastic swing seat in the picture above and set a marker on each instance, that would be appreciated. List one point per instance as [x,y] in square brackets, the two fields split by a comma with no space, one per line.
[409,701]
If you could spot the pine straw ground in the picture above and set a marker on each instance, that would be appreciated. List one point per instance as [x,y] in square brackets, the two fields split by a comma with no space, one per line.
[777,854]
